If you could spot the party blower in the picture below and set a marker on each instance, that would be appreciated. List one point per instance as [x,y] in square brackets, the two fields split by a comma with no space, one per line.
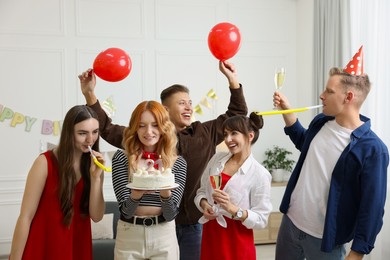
[286,111]
[95,160]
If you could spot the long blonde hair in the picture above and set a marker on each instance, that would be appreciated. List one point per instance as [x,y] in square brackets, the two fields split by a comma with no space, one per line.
[166,145]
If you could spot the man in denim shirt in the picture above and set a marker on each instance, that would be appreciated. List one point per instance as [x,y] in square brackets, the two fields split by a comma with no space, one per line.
[337,190]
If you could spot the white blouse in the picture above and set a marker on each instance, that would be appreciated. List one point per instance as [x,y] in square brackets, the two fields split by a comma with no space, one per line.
[249,188]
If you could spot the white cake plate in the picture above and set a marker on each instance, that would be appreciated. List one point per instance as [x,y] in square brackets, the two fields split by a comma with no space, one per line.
[174,186]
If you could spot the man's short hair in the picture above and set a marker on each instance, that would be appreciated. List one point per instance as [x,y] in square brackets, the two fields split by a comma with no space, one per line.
[360,83]
[169,91]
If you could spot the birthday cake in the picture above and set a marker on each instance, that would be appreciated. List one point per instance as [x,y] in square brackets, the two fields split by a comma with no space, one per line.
[153,178]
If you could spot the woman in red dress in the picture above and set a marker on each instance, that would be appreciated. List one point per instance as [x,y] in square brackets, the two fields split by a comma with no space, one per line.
[64,190]
[242,202]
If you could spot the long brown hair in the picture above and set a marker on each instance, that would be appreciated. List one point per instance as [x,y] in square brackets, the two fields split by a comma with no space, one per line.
[166,145]
[67,174]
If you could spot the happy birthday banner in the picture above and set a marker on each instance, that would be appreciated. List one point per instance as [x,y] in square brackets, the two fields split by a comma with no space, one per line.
[212,95]
[16,119]
[48,127]
[53,127]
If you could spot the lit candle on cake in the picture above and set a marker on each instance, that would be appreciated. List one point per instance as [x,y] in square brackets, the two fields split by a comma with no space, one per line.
[149,164]
[159,164]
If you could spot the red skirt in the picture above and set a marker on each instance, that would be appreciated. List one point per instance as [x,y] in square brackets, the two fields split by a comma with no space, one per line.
[234,242]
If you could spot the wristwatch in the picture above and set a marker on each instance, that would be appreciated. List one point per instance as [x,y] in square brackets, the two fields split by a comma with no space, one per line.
[239,214]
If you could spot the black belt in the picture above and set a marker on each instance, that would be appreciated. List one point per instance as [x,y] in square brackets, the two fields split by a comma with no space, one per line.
[146,221]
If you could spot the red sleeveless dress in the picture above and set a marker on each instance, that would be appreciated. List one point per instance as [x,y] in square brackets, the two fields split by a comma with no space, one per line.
[49,238]
[231,243]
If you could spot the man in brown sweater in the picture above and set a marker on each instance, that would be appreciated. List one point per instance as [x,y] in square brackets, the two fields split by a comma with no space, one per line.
[196,143]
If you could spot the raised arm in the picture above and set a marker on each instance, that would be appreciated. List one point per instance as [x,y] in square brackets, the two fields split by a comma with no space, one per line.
[110,132]
[88,83]
[281,101]
[237,104]
[229,71]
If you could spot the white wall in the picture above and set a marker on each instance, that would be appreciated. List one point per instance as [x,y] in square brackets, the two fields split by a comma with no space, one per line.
[45,44]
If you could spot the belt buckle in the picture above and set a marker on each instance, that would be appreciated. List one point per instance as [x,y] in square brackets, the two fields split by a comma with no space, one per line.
[148,221]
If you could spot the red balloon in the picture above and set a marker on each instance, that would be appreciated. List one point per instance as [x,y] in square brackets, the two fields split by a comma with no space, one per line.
[224,41]
[113,64]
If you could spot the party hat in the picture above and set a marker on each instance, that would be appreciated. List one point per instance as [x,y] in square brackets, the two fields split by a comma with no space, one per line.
[355,66]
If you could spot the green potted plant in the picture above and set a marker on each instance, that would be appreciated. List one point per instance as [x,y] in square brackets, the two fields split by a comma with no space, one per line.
[277,161]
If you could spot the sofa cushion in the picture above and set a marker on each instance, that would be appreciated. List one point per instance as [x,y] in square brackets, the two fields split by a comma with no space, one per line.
[103,249]
[104,228]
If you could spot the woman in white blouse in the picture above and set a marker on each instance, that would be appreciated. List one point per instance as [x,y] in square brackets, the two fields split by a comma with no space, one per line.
[242,202]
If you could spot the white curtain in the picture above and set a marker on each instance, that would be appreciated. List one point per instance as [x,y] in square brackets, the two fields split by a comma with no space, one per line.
[331,39]
[370,22]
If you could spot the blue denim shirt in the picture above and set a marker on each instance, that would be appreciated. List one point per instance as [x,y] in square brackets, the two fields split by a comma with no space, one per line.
[358,185]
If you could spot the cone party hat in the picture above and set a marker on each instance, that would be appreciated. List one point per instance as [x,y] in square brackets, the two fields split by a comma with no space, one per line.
[355,66]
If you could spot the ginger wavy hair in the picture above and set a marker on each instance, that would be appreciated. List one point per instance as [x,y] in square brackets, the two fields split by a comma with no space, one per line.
[67,174]
[166,145]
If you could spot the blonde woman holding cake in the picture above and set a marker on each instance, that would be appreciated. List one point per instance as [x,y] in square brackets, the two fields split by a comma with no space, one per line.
[146,229]
[240,200]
